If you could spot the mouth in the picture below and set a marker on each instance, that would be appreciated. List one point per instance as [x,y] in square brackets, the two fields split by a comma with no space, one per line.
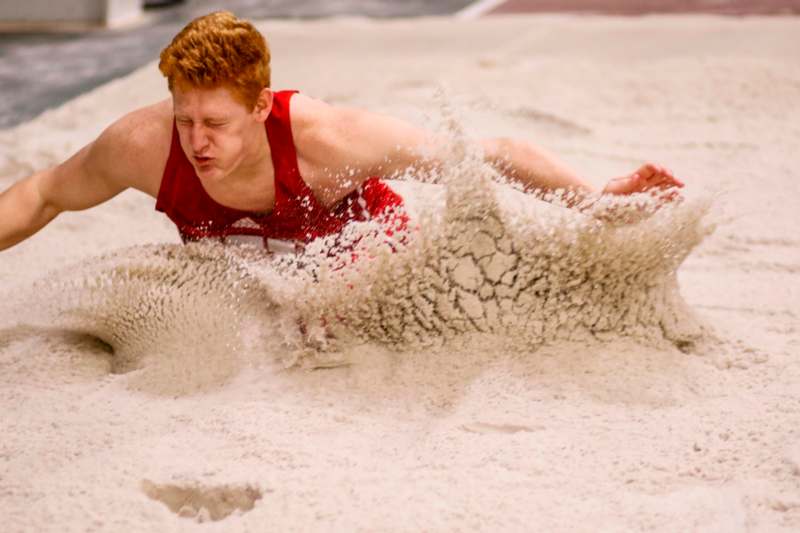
[203,161]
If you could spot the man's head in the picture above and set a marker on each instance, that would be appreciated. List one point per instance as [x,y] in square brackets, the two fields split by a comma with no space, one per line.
[218,50]
[218,71]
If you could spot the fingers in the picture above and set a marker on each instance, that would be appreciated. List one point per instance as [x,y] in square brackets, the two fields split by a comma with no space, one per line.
[669,179]
[648,177]
[658,176]
[647,171]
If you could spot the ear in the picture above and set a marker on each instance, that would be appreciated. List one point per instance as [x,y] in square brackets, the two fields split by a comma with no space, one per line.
[263,105]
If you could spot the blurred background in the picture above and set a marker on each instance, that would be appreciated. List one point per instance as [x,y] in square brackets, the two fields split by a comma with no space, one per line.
[52,51]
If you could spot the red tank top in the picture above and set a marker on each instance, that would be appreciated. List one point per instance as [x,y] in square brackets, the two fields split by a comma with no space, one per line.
[297,217]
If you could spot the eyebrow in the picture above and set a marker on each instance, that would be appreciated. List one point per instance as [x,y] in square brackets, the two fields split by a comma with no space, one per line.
[179,116]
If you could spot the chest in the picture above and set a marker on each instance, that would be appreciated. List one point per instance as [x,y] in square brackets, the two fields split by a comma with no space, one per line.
[256,195]
[257,192]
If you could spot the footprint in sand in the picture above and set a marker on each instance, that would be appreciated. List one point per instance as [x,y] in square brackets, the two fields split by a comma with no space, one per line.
[204,504]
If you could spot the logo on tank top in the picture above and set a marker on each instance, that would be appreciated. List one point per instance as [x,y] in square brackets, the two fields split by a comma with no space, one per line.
[245,222]
[273,246]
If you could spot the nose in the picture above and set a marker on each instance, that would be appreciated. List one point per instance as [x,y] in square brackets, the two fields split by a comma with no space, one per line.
[198,138]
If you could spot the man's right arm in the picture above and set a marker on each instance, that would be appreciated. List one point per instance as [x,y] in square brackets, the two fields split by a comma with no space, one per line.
[32,203]
[121,157]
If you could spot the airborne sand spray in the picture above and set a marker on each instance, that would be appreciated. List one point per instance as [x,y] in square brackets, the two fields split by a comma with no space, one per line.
[474,264]
[171,314]
[479,258]
[490,259]
[533,276]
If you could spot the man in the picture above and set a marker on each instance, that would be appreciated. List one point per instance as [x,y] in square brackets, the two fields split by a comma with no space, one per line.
[228,158]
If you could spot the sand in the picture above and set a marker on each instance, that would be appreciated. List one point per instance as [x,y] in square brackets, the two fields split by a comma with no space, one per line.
[642,377]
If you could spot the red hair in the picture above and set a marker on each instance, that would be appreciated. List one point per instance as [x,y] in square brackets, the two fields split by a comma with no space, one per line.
[216,50]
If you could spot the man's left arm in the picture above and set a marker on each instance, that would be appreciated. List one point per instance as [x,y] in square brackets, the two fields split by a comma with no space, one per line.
[353,145]
[536,169]
[532,167]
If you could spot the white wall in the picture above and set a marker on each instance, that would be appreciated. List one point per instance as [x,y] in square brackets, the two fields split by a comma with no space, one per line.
[102,12]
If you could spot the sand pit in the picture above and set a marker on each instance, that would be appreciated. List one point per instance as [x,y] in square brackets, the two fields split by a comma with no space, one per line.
[518,367]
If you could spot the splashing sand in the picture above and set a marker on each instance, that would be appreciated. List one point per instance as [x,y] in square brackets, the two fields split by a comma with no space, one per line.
[533,275]
[472,265]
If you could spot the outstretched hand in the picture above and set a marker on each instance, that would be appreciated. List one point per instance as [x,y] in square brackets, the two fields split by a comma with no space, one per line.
[649,177]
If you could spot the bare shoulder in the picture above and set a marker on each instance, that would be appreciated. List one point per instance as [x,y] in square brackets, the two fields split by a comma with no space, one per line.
[326,133]
[311,121]
[340,147]
[355,138]
[134,149]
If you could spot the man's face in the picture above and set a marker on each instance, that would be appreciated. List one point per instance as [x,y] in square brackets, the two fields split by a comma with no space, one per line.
[217,132]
